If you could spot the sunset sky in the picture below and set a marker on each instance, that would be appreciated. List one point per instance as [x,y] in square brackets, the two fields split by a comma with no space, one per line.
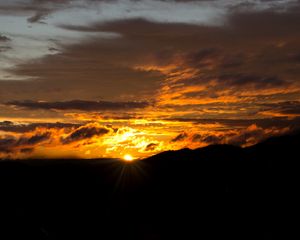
[109,78]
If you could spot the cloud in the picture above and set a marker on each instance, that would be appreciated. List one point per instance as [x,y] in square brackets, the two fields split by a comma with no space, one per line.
[35,139]
[196,137]
[99,139]
[38,17]
[287,109]
[212,139]
[208,13]
[270,122]
[19,141]
[4,48]
[3,38]
[43,8]
[6,143]
[180,137]
[86,132]
[9,126]
[14,144]
[175,63]
[151,147]
[39,8]
[240,137]
[79,105]
[233,66]
[257,82]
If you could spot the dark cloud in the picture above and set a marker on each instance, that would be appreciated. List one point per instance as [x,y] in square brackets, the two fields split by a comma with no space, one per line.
[212,139]
[234,84]
[38,17]
[4,38]
[6,143]
[6,123]
[289,108]
[180,137]
[151,147]
[252,80]
[16,140]
[40,8]
[4,48]
[251,135]
[197,138]
[27,150]
[213,64]
[197,58]
[273,122]
[85,133]
[12,144]
[52,49]
[33,140]
[232,61]
[8,126]
[80,105]
[21,139]
[239,137]
[108,68]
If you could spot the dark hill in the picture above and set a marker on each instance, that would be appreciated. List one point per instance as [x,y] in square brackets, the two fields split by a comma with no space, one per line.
[215,192]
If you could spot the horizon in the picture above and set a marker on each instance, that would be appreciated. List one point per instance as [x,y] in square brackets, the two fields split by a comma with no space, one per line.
[132,159]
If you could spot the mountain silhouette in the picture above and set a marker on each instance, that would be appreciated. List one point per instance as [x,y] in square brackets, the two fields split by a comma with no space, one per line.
[215,192]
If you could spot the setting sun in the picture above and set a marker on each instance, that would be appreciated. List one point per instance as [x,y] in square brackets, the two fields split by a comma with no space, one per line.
[128,158]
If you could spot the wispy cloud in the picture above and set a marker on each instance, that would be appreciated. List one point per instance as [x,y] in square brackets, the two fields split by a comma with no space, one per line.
[79,105]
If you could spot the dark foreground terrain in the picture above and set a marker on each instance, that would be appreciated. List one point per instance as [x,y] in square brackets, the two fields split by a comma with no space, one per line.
[217,192]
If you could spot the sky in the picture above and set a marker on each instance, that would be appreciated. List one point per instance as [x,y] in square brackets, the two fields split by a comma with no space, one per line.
[108,78]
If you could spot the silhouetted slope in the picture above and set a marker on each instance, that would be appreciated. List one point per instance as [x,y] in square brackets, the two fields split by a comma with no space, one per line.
[185,194]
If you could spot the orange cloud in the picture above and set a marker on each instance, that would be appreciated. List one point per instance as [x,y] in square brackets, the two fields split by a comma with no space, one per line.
[137,137]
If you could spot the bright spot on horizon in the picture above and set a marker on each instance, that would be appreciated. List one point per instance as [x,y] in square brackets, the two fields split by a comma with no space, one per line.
[128,158]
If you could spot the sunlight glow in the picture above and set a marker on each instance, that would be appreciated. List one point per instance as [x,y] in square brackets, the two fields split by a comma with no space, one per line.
[128,158]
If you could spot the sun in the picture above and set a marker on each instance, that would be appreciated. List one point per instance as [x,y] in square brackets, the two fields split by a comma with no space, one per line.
[128,158]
